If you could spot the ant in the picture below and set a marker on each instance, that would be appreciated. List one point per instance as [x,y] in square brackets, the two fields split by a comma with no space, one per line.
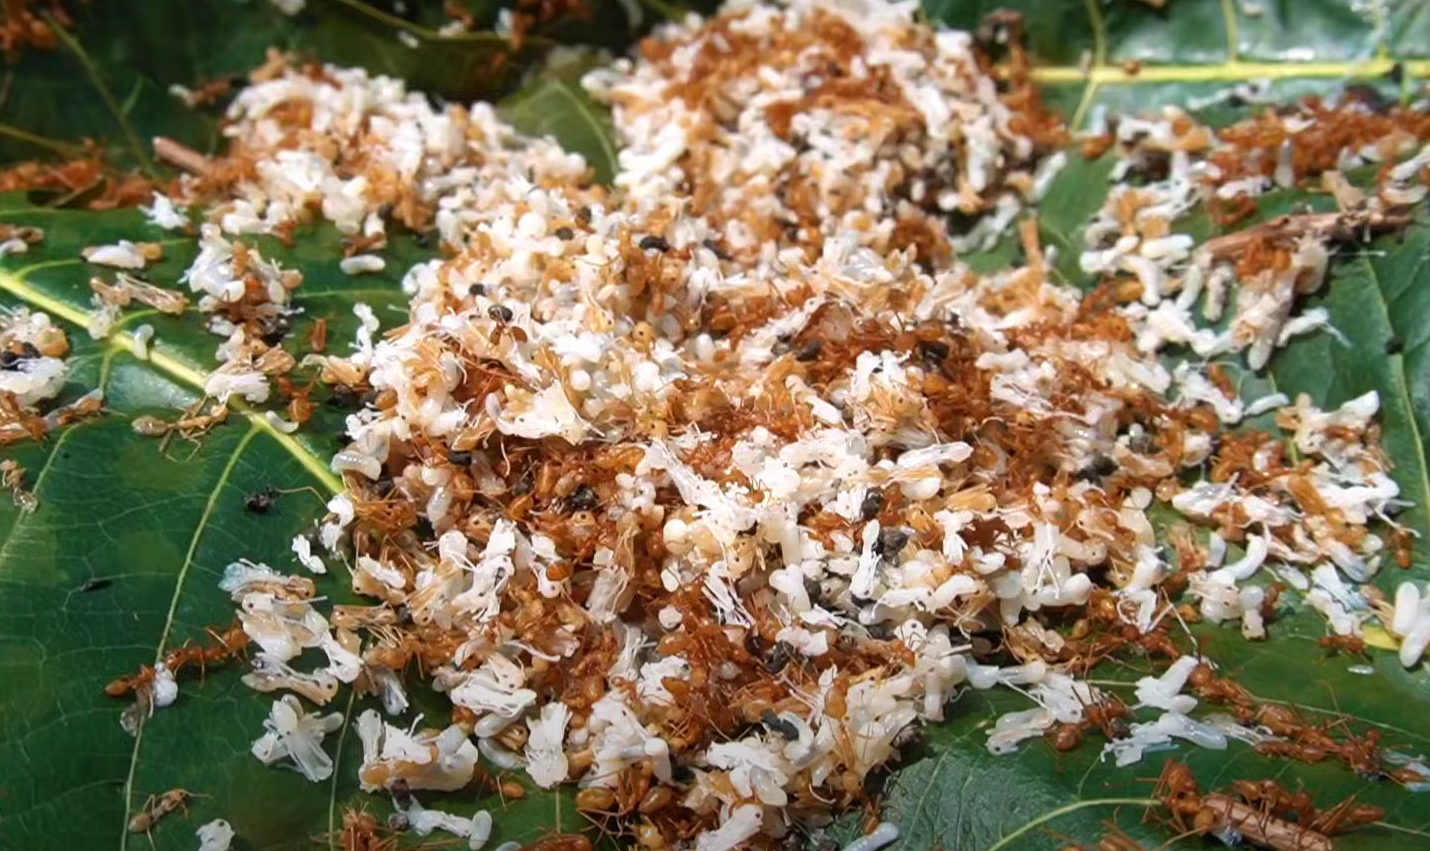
[157,807]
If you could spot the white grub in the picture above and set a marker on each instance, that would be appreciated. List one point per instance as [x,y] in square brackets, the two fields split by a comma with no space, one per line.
[122,255]
[362,264]
[885,833]
[216,835]
[297,736]
[142,337]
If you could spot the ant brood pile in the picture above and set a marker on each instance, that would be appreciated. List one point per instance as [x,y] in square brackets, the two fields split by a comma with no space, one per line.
[705,492]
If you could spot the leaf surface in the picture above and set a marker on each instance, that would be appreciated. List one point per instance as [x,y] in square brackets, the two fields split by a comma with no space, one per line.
[122,558]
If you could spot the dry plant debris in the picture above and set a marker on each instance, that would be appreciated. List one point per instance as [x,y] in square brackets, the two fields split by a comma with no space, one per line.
[704,492]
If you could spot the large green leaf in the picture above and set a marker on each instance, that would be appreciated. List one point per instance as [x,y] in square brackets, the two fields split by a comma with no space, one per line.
[956,794]
[122,558]
[161,529]
[109,79]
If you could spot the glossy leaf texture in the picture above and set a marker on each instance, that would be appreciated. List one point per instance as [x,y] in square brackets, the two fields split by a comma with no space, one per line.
[952,793]
[149,534]
[120,563]
[109,76]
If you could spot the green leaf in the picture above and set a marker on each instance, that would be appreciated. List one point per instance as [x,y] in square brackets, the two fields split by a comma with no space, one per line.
[121,562]
[110,78]
[554,104]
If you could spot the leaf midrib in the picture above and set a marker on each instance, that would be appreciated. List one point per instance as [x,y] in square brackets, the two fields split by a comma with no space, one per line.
[174,369]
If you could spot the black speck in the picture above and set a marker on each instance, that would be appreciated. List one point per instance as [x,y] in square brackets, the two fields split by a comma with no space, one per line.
[272,331]
[383,487]
[500,313]
[565,233]
[477,289]
[584,498]
[714,248]
[808,351]
[891,542]
[1100,467]
[423,529]
[1396,74]
[815,589]
[344,397]
[404,616]
[871,506]
[522,487]
[1394,345]
[94,585]
[657,243]
[385,210]
[460,458]
[583,215]
[934,351]
[261,500]
[879,632]
[779,657]
[779,725]
[754,644]
[401,792]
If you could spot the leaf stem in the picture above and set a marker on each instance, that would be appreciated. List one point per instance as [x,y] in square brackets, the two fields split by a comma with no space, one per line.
[1070,808]
[131,139]
[64,149]
[1229,72]
[175,369]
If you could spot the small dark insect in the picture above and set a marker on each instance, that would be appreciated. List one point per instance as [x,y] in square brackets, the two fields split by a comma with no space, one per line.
[261,500]
[808,351]
[460,458]
[871,506]
[654,242]
[565,233]
[500,313]
[584,498]
[779,725]
[933,351]
[714,248]
[343,397]
[879,632]
[1100,467]
[891,542]
[815,589]
[780,656]
[909,735]
[477,289]
[754,644]
[94,585]
[401,793]
[272,331]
